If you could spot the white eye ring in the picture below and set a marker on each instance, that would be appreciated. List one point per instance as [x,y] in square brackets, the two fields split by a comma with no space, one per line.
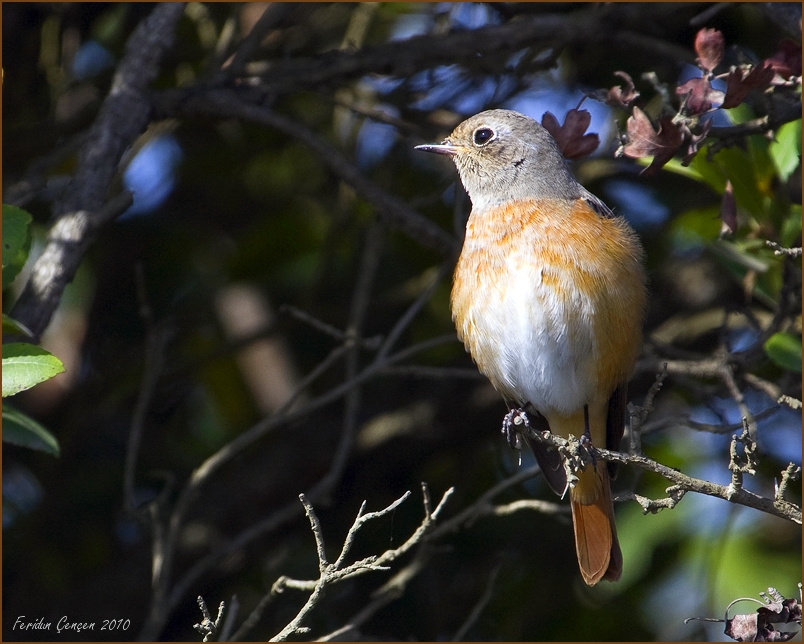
[483,135]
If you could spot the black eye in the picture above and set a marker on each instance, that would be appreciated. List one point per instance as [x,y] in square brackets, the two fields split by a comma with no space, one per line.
[483,136]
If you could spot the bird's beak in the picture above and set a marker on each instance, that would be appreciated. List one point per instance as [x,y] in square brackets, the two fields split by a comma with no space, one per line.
[441,148]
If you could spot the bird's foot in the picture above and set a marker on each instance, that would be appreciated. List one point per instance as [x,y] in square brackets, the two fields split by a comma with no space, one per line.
[514,419]
[585,442]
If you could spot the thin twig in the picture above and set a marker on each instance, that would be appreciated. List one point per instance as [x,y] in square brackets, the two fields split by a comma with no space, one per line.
[791,473]
[169,595]
[780,250]
[412,311]
[155,343]
[229,619]
[207,627]
[221,102]
[332,573]
[477,609]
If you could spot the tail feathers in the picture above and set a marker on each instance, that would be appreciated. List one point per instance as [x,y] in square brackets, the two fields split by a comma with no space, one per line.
[596,543]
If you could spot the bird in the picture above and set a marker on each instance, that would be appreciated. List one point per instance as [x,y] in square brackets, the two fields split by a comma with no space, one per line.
[548,297]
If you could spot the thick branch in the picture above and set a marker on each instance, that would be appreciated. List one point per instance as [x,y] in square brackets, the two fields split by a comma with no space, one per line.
[405,58]
[123,116]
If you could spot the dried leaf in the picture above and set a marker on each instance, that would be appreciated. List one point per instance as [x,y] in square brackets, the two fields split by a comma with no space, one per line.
[728,211]
[783,611]
[758,626]
[787,61]
[699,95]
[695,141]
[709,46]
[644,141]
[622,97]
[739,86]
[570,137]
[743,628]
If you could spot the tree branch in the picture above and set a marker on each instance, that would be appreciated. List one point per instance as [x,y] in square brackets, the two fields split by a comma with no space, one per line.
[483,47]
[741,496]
[229,103]
[81,213]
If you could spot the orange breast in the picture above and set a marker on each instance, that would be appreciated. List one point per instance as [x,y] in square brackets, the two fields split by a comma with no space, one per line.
[548,298]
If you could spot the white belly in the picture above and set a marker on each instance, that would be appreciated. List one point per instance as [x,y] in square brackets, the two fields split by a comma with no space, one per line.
[534,346]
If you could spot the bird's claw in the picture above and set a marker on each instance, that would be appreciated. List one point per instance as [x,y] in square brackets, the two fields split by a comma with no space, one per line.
[513,419]
[585,441]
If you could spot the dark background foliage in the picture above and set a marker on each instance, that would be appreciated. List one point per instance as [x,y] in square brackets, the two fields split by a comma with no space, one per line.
[181,321]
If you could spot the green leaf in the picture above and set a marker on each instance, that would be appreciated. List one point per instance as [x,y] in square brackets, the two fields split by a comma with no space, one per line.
[16,225]
[784,350]
[16,241]
[709,171]
[23,430]
[700,170]
[740,168]
[10,325]
[26,365]
[786,149]
[791,226]
[740,254]
[695,228]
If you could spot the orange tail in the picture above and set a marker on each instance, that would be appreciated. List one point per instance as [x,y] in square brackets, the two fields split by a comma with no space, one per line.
[596,544]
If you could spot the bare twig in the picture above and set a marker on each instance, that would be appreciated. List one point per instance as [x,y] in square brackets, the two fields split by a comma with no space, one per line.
[207,627]
[780,250]
[254,617]
[438,373]
[652,506]
[155,343]
[677,422]
[707,14]
[36,181]
[387,593]
[477,609]
[229,103]
[326,329]
[332,573]
[790,474]
[741,496]
[274,15]
[229,619]
[414,308]
[638,415]
[793,403]
[165,596]
[727,375]
[487,43]
[745,465]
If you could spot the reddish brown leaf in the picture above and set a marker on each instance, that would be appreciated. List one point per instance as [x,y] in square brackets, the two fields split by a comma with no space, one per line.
[699,95]
[781,611]
[644,141]
[695,141]
[709,46]
[728,211]
[787,61]
[743,628]
[570,137]
[622,97]
[739,86]
[753,628]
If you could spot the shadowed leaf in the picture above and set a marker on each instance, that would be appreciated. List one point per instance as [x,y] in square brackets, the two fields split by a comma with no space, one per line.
[571,137]
[709,46]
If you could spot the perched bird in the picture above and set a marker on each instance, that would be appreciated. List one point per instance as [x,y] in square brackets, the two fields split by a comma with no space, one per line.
[548,298]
